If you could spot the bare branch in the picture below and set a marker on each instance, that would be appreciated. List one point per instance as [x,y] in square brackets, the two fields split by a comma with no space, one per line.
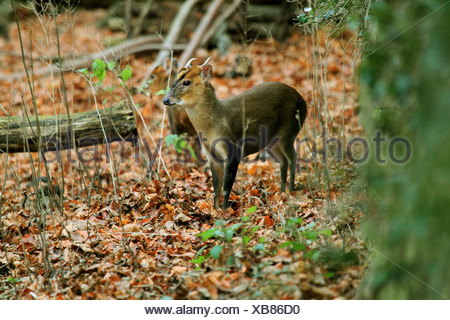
[116,52]
[201,29]
[173,35]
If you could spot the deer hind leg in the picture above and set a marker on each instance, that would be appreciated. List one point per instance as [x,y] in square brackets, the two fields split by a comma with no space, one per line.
[281,158]
[290,158]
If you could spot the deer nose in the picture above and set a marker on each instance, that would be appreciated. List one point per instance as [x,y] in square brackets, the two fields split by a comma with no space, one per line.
[166,100]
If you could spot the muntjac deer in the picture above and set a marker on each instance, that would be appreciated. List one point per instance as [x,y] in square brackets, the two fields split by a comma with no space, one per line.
[268,115]
[178,118]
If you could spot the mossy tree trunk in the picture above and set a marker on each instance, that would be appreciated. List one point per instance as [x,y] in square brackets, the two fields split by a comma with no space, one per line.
[405,94]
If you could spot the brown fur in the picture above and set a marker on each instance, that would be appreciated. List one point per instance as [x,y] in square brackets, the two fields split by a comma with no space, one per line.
[178,118]
[274,106]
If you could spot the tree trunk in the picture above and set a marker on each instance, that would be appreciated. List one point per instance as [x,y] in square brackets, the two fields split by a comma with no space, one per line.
[115,123]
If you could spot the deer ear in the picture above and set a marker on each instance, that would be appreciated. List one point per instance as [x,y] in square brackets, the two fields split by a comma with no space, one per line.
[206,73]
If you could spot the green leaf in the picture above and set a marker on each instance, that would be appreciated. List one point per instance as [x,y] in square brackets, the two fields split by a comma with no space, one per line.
[199,252]
[163,91]
[325,232]
[251,209]
[262,240]
[297,246]
[215,251]
[311,235]
[205,235]
[245,218]
[235,226]
[171,138]
[302,18]
[105,101]
[144,86]
[310,225]
[230,260]
[286,244]
[219,223]
[328,275]
[245,240]
[254,229]
[199,260]
[13,280]
[313,255]
[181,143]
[99,71]
[259,246]
[126,73]
[83,71]
[218,234]
[229,235]
[294,221]
[192,152]
[111,65]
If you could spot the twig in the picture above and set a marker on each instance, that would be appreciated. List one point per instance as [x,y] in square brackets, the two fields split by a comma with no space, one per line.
[115,52]
[144,12]
[228,12]
[173,35]
[201,29]
[128,5]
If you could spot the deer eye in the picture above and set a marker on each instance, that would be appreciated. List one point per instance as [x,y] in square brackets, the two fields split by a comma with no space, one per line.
[186,83]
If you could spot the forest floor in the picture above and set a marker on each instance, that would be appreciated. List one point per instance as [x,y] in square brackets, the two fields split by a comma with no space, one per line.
[120,232]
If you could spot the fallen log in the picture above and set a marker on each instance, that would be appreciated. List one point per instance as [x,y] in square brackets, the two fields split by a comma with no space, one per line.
[116,123]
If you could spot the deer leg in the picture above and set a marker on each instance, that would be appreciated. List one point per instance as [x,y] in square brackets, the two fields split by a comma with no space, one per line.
[281,158]
[231,167]
[217,176]
[290,157]
[292,160]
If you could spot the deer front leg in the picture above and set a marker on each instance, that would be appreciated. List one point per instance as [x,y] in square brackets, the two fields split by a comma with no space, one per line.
[217,176]
[231,167]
